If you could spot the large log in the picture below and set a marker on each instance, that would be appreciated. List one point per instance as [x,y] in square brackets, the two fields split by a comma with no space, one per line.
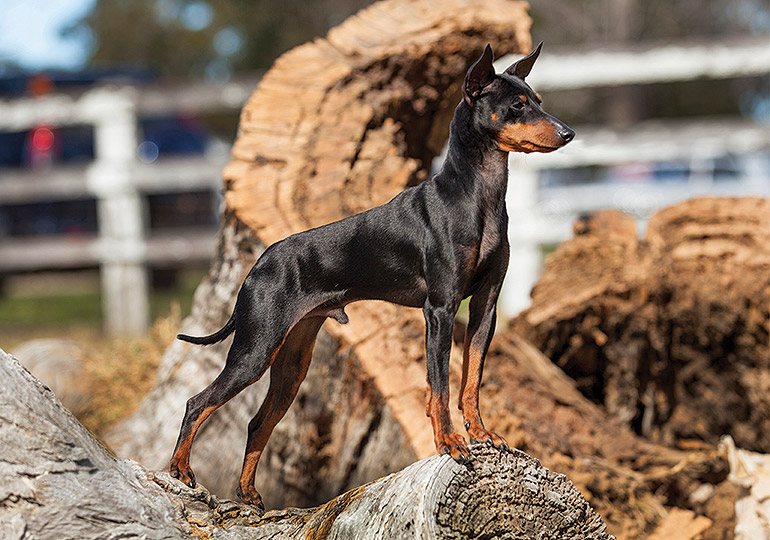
[335,127]
[57,481]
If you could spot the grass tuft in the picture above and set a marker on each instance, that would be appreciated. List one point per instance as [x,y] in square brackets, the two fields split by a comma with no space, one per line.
[122,371]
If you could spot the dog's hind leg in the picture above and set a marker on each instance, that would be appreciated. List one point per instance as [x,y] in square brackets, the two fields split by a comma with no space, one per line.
[248,358]
[287,373]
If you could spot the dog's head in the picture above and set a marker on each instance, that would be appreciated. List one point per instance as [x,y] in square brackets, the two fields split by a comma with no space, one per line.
[506,107]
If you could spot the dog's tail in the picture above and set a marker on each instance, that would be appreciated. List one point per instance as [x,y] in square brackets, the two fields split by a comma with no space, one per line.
[216,337]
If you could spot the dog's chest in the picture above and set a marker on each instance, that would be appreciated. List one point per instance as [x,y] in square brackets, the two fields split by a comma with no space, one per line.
[490,249]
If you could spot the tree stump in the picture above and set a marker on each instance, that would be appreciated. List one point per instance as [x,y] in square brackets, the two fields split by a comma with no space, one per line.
[57,481]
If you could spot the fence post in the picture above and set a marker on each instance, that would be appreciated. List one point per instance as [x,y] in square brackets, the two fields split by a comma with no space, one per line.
[120,210]
[525,257]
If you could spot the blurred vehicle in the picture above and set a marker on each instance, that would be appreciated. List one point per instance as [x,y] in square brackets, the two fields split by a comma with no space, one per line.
[729,167]
[44,146]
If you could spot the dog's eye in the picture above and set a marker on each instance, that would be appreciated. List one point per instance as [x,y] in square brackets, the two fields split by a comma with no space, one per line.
[517,104]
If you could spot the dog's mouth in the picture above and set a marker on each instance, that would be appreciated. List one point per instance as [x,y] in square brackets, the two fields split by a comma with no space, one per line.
[527,147]
[543,137]
[539,137]
[530,146]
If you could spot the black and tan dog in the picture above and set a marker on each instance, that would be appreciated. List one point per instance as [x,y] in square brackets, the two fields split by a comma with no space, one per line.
[429,247]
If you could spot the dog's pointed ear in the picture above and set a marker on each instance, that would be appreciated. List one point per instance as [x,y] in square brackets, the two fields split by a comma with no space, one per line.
[522,67]
[479,75]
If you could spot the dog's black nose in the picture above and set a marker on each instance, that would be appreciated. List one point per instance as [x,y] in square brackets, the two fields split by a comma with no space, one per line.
[566,134]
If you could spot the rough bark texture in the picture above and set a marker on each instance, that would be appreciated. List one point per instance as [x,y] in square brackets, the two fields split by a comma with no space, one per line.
[57,481]
[670,334]
[336,126]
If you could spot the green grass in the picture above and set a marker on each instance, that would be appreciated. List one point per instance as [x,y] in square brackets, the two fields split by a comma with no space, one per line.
[58,305]
[51,310]
[182,295]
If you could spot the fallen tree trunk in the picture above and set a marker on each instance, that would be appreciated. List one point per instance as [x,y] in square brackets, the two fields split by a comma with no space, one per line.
[57,481]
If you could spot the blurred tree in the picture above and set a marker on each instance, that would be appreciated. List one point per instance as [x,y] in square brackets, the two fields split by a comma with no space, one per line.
[206,38]
[214,38]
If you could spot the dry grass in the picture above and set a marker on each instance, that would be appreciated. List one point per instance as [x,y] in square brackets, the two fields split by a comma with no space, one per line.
[122,371]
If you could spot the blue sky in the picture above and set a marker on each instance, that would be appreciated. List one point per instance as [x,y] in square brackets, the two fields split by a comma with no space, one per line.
[30,33]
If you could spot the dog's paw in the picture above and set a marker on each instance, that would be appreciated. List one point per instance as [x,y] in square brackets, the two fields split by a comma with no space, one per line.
[481,435]
[251,496]
[454,445]
[183,474]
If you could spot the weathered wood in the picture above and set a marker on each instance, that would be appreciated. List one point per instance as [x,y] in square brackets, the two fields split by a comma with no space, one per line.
[336,126]
[670,333]
[57,481]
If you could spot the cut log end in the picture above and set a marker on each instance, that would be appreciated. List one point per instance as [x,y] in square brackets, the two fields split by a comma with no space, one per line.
[500,492]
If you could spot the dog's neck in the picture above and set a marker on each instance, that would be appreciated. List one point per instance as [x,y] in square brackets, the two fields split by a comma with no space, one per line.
[474,159]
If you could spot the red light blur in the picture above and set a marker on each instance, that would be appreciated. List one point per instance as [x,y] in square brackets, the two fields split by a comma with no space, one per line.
[42,139]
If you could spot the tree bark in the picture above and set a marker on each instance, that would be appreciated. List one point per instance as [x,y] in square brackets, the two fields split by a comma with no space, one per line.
[335,127]
[57,481]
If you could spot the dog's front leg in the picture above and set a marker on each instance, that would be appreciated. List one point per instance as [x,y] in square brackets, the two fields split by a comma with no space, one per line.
[482,314]
[438,343]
